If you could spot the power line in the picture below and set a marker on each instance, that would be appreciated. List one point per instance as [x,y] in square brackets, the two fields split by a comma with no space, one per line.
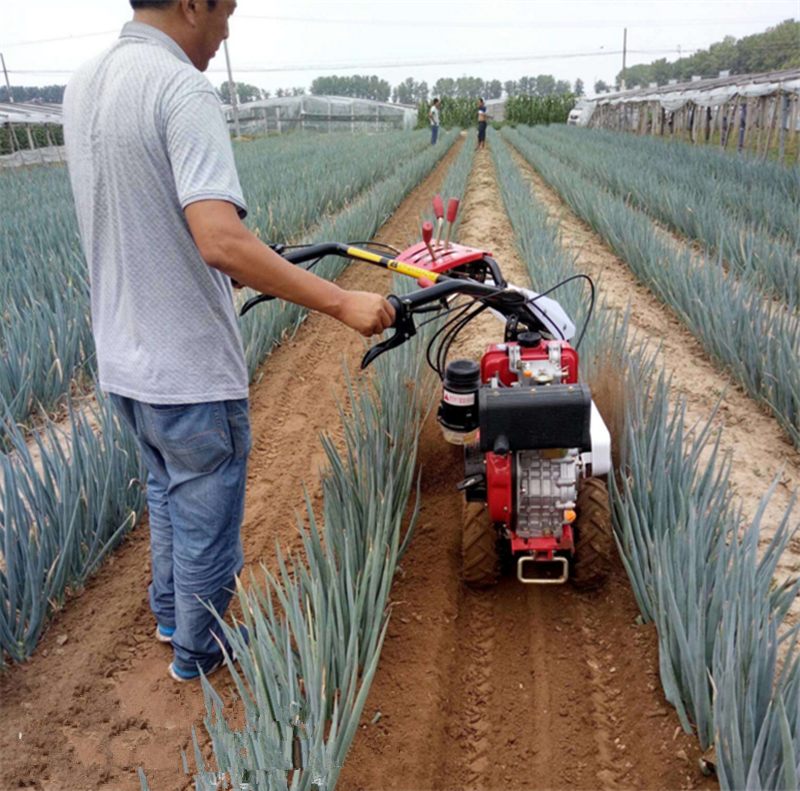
[502,25]
[450,25]
[62,38]
[289,68]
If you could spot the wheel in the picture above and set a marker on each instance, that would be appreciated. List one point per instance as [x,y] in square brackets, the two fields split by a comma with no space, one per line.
[594,541]
[479,559]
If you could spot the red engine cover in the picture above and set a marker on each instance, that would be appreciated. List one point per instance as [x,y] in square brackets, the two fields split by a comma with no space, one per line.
[495,361]
[499,476]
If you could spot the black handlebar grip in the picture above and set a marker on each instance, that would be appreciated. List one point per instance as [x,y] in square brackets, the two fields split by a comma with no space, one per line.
[399,309]
[403,330]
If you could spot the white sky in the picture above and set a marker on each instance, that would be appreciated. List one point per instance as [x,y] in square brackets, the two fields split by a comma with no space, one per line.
[376,35]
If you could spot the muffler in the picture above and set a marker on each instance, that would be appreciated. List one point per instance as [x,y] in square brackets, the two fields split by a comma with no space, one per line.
[542,572]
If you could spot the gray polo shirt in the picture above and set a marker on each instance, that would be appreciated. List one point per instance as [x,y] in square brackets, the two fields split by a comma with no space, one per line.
[145,138]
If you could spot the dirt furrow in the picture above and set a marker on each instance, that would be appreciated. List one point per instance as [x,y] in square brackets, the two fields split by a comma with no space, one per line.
[95,702]
[760,448]
[518,687]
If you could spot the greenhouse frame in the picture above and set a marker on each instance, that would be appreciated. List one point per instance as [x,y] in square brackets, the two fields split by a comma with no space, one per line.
[757,111]
[18,120]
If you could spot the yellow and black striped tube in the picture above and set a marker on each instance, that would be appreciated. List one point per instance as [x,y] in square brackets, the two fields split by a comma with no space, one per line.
[392,263]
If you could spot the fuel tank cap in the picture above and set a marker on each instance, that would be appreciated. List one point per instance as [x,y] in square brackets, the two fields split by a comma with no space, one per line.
[529,340]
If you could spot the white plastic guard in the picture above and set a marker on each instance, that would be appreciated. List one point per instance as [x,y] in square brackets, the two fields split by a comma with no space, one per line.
[552,315]
[600,458]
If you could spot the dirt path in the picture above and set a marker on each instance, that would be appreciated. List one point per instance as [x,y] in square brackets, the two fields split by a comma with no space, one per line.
[519,686]
[95,702]
[760,448]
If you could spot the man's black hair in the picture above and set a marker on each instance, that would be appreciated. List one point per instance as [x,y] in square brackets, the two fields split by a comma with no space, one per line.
[162,4]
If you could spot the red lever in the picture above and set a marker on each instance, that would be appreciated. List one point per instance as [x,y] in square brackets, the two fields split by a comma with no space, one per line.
[452,209]
[427,235]
[452,213]
[438,210]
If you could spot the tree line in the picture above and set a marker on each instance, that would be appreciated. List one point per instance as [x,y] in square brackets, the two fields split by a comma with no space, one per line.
[250,93]
[50,94]
[411,91]
[775,49]
[357,86]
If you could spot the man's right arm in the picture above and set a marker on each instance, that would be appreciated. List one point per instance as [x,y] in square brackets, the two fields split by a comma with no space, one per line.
[208,188]
[226,244]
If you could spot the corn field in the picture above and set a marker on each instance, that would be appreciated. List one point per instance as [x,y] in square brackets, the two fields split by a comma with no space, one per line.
[535,110]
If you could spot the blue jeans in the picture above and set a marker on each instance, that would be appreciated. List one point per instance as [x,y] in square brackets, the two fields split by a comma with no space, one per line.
[196,456]
[434,134]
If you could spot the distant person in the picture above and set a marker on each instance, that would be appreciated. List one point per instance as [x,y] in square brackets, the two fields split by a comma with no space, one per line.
[481,124]
[160,213]
[434,118]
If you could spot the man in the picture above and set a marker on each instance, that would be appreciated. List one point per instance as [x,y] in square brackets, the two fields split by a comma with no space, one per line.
[159,207]
[481,124]
[433,115]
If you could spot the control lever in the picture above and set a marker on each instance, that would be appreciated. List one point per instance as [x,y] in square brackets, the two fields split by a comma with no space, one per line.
[452,213]
[427,235]
[403,330]
[438,210]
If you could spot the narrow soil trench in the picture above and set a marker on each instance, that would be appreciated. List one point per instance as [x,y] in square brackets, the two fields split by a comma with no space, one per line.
[760,448]
[519,686]
[95,702]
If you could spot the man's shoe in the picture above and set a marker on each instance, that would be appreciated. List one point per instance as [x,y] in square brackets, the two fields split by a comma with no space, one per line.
[164,634]
[191,675]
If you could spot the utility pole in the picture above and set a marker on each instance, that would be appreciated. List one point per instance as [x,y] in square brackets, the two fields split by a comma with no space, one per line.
[8,84]
[624,55]
[233,93]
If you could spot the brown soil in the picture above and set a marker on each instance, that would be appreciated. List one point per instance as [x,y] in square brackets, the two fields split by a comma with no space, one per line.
[759,446]
[517,686]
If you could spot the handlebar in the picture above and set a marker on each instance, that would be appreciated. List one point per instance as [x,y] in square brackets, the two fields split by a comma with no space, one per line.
[317,251]
[404,307]
[507,301]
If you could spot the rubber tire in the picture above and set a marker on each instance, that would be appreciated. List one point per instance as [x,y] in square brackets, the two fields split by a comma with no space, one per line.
[594,539]
[480,564]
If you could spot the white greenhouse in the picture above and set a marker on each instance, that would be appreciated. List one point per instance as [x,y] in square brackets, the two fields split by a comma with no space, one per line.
[321,114]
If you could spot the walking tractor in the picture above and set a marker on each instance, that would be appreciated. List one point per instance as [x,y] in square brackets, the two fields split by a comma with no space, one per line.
[535,444]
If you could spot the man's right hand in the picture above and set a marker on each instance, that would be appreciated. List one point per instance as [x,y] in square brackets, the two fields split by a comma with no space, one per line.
[369,314]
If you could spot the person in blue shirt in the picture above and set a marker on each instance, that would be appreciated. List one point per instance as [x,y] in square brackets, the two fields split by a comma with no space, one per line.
[481,124]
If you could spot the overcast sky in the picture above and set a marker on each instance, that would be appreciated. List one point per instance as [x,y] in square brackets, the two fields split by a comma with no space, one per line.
[281,44]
